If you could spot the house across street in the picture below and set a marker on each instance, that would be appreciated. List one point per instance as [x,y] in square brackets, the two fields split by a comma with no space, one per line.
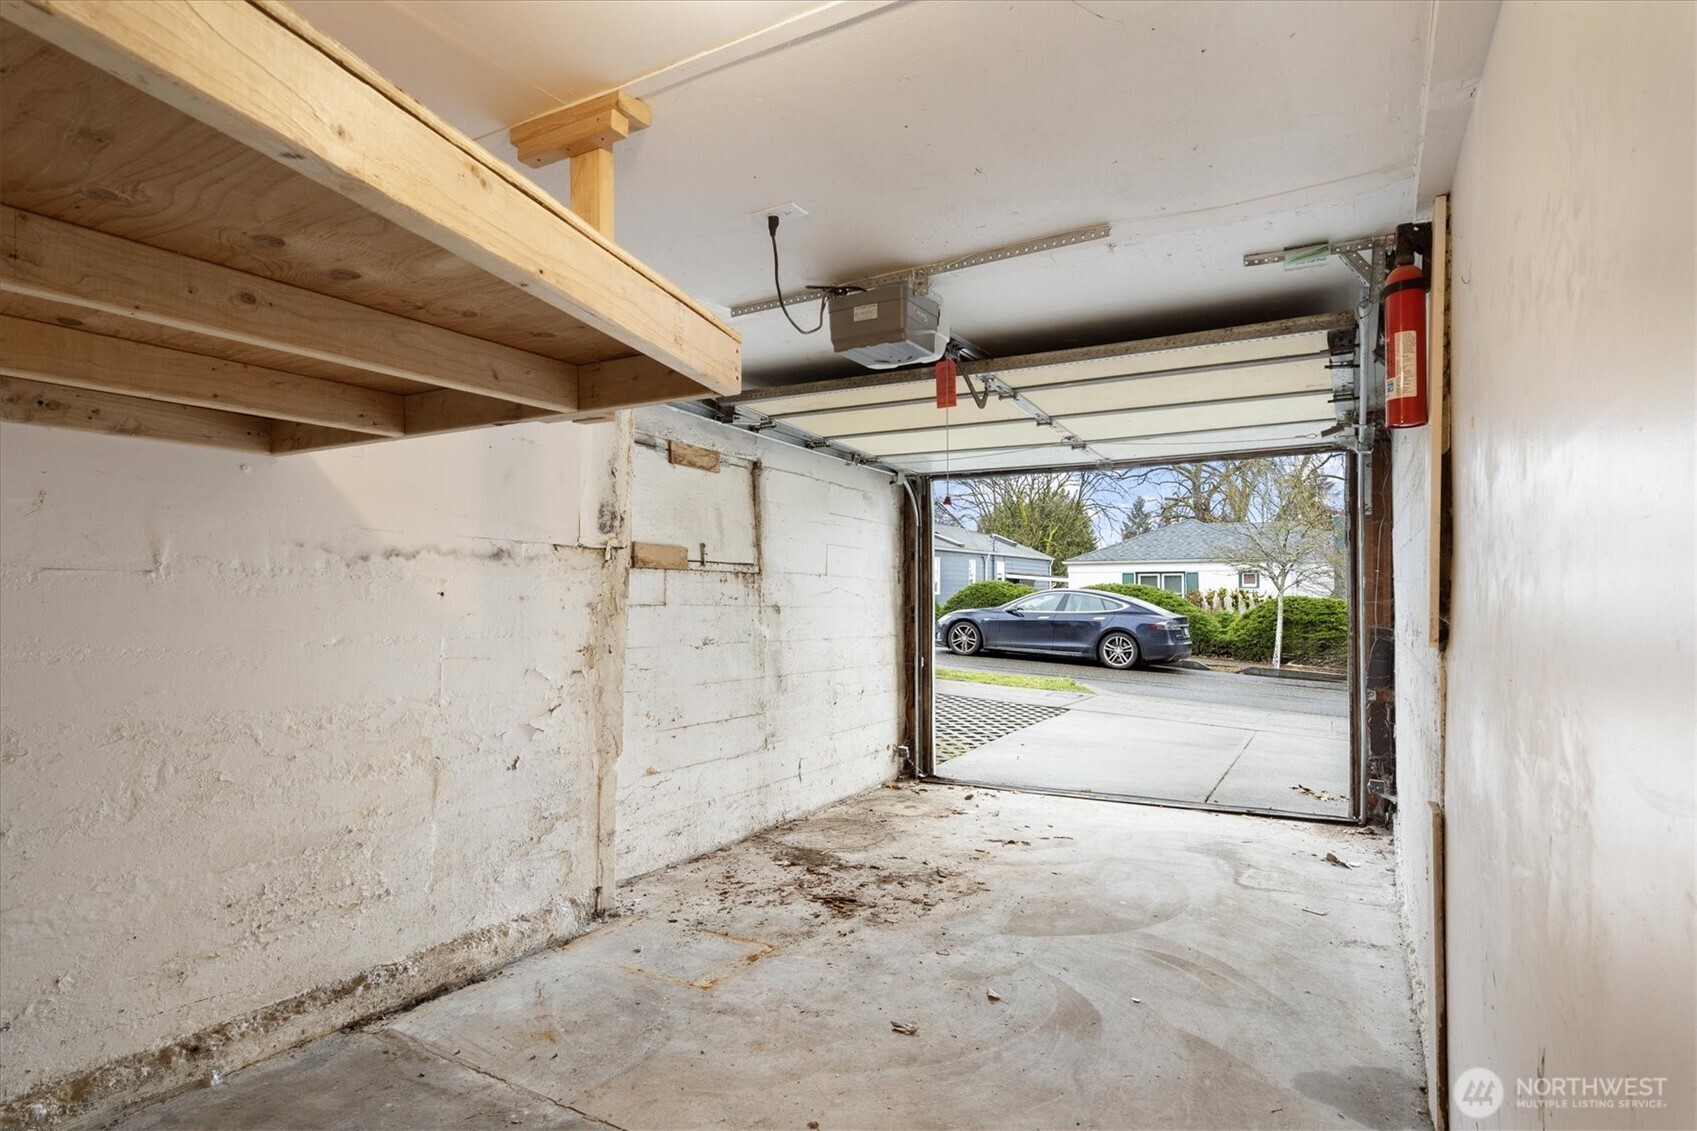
[1183,557]
[961,557]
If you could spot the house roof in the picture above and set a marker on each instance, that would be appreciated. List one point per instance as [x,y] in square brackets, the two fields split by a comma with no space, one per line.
[946,537]
[1185,541]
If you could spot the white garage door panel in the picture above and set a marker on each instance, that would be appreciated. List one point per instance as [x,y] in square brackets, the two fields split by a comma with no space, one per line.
[1153,422]
[1202,418]
[1195,358]
[1270,385]
[1137,392]
[1153,449]
[1021,433]
[915,414]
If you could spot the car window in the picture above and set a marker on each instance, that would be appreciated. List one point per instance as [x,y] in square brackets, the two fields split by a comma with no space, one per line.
[1137,606]
[1041,602]
[1090,603]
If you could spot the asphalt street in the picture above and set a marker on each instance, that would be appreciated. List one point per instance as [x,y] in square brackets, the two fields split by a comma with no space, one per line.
[1186,684]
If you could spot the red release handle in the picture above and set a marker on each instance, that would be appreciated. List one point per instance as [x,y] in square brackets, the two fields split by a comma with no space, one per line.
[947,371]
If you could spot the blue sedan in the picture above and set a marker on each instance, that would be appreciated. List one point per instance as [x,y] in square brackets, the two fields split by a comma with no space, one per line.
[1115,631]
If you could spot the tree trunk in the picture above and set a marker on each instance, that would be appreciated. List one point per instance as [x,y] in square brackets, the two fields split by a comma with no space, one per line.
[1279,631]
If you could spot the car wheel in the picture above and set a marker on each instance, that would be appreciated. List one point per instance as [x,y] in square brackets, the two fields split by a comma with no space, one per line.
[965,639]
[1118,650]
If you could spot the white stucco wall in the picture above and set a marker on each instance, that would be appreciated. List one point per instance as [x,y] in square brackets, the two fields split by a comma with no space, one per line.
[1419,725]
[1569,784]
[317,725]
[766,684]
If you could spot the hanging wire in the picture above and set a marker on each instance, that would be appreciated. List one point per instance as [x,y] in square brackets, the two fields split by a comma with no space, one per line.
[777,287]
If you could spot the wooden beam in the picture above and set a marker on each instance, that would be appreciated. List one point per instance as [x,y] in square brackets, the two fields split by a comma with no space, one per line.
[592,189]
[630,382]
[262,75]
[427,414]
[38,402]
[1437,427]
[50,259]
[43,352]
[572,131]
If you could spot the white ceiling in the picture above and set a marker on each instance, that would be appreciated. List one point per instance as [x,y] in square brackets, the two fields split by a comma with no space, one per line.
[917,131]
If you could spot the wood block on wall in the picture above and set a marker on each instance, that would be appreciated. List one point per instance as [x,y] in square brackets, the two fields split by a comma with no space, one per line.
[688,455]
[657,555]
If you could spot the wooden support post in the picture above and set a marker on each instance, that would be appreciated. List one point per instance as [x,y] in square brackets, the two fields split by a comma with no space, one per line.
[597,124]
[592,189]
[592,200]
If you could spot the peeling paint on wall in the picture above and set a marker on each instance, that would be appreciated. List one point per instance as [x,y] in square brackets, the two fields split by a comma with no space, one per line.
[764,683]
[273,726]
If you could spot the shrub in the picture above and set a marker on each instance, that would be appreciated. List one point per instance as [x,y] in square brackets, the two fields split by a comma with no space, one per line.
[1316,631]
[985,595]
[1205,635]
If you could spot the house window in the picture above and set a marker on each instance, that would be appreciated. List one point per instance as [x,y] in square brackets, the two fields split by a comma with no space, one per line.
[971,570]
[936,577]
[1001,569]
[1171,582]
[1248,579]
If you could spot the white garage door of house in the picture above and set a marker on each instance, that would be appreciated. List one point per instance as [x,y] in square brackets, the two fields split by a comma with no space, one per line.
[1251,388]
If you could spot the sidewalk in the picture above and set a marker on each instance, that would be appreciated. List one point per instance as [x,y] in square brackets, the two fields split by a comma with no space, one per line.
[1141,746]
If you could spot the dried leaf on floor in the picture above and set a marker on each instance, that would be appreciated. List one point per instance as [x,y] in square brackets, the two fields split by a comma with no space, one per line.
[1332,858]
[992,995]
[904,1028]
[1318,794]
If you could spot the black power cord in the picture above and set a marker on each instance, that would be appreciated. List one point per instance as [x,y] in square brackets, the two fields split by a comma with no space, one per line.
[778,290]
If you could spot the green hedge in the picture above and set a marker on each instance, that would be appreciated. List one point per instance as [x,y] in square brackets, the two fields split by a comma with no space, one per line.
[1316,631]
[1205,635]
[985,595]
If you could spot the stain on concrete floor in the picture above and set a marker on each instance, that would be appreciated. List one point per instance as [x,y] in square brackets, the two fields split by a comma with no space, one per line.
[1061,963]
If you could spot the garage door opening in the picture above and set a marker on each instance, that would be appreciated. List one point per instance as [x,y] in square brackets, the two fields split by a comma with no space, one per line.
[1280,391]
[1176,633]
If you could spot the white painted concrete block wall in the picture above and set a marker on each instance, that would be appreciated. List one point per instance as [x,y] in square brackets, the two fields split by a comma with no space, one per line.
[1570,768]
[275,724]
[766,684]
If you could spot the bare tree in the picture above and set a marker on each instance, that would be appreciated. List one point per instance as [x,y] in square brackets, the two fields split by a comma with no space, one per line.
[1287,538]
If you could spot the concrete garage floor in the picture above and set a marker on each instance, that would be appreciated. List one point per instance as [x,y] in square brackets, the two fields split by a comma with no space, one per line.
[1178,735]
[1061,962]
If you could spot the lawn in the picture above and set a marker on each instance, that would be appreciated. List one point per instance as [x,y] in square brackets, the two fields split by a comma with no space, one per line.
[1001,679]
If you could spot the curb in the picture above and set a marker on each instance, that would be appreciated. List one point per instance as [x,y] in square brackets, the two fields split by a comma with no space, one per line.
[1287,673]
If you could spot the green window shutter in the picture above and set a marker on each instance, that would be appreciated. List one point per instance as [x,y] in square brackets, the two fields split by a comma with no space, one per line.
[1192,582]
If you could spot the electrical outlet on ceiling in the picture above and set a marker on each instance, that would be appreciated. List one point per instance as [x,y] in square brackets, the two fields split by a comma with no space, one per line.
[791,211]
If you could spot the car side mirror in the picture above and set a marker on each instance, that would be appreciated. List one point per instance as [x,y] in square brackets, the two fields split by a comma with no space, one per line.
[1016,612]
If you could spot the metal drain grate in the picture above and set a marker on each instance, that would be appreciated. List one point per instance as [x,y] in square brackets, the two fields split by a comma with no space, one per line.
[963,722]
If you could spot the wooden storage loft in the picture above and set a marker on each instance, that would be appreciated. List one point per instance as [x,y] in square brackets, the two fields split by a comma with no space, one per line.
[219,227]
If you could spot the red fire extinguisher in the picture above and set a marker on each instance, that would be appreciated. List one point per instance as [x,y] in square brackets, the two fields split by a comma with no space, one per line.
[1405,343]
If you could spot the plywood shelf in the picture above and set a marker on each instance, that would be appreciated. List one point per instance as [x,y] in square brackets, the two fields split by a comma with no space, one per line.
[211,210]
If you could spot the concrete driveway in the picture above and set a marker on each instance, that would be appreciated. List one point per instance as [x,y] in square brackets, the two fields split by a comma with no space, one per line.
[1173,734]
